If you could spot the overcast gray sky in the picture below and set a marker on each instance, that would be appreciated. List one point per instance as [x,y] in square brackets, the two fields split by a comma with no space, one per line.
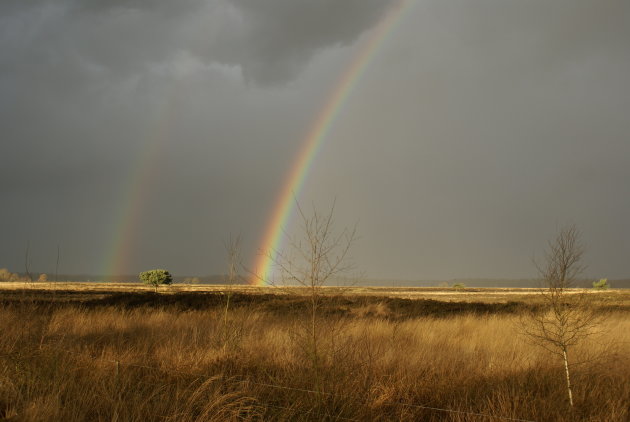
[477,129]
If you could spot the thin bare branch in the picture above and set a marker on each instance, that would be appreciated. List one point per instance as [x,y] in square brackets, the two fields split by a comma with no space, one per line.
[567,317]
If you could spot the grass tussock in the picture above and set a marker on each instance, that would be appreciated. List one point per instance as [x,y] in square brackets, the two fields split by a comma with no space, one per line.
[126,360]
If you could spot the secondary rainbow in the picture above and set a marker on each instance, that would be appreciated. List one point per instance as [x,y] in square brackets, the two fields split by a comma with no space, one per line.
[285,204]
[138,191]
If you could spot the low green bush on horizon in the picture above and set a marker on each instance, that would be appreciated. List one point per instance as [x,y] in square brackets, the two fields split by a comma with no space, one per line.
[602,284]
[156,278]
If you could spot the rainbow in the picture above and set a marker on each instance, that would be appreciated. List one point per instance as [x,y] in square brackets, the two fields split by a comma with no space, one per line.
[285,203]
[138,191]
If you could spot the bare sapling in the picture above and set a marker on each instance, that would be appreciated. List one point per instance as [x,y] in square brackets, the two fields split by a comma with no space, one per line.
[567,317]
[233,249]
[315,257]
[27,262]
[56,272]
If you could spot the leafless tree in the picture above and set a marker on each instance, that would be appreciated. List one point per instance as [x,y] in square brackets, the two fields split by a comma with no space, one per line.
[234,259]
[57,264]
[567,316]
[27,261]
[314,257]
[54,285]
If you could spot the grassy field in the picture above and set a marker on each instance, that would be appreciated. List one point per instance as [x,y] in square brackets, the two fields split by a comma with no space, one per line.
[86,352]
[489,295]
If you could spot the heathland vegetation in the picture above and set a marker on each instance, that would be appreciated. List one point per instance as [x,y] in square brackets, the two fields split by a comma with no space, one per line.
[153,357]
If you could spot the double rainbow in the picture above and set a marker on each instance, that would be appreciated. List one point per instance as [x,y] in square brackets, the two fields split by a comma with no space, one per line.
[285,204]
[123,241]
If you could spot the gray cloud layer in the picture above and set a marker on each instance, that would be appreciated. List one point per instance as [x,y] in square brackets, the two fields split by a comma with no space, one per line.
[478,127]
[269,41]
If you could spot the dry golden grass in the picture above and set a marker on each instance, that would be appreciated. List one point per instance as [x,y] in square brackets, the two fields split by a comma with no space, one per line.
[71,362]
[481,294]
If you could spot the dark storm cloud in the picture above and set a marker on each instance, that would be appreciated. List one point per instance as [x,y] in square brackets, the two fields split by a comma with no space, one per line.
[269,41]
[477,127]
[280,36]
[71,66]
[86,86]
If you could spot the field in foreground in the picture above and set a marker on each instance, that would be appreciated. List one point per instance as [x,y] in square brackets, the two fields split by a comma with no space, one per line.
[91,290]
[83,355]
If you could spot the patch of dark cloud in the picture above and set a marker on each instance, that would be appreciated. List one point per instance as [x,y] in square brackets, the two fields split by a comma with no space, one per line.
[270,41]
[278,37]
[76,74]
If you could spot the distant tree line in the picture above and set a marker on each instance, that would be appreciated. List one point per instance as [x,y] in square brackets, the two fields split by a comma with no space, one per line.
[6,275]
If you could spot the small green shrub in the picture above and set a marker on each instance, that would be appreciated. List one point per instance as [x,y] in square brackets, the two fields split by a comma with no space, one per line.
[602,284]
[156,277]
[459,286]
